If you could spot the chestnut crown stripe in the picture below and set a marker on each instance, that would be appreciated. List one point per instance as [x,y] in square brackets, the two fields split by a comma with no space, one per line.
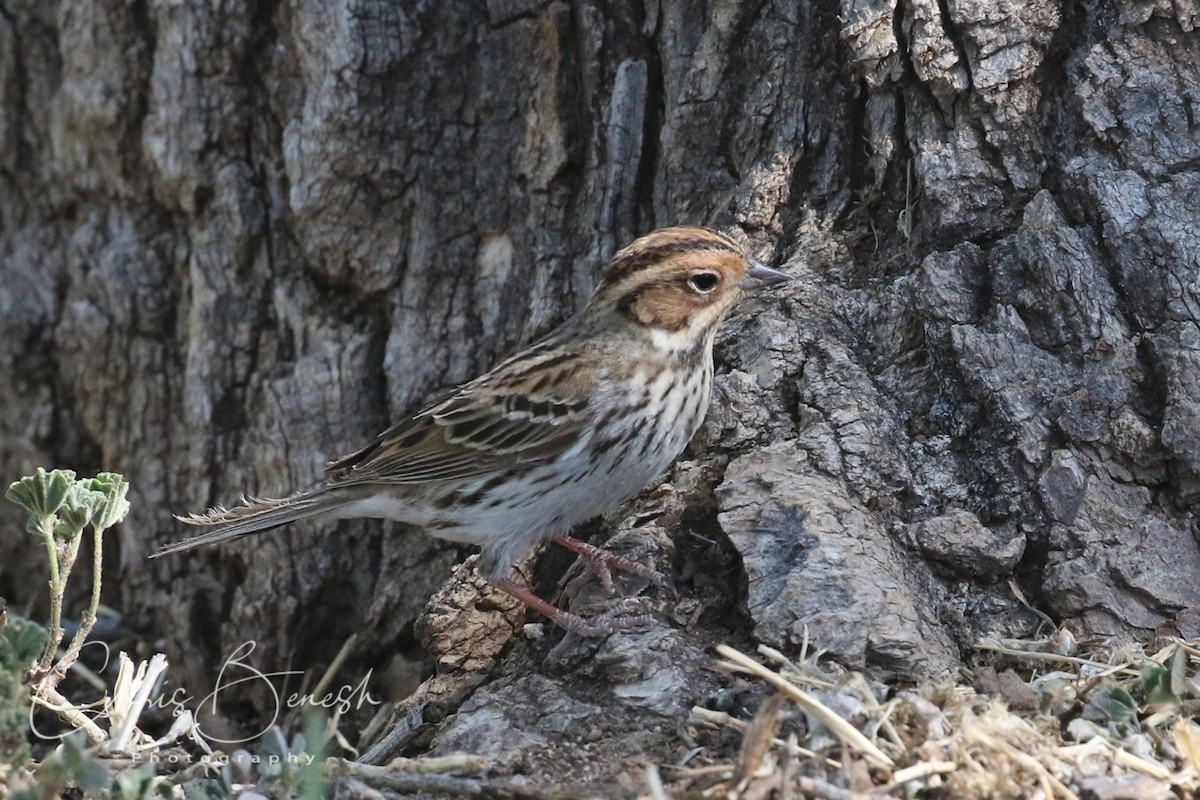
[634,260]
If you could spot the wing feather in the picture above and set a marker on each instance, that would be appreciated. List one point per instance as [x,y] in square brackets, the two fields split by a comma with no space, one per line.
[511,416]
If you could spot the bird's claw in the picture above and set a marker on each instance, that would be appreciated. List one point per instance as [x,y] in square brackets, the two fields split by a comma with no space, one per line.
[616,618]
[601,563]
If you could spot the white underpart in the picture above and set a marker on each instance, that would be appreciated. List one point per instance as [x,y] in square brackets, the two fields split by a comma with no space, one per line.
[680,341]
[384,505]
[671,341]
[524,513]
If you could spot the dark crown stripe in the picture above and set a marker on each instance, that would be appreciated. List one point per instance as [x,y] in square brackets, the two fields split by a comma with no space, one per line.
[637,259]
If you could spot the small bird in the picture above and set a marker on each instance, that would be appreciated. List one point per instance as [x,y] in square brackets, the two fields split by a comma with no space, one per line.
[565,430]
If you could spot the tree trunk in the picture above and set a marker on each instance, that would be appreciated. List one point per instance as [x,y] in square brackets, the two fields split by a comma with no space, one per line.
[236,240]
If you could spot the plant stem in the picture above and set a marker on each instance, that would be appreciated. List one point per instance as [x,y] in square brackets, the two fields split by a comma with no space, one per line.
[60,573]
[49,698]
[56,593]
[144,680]
[88,620]
[68,563]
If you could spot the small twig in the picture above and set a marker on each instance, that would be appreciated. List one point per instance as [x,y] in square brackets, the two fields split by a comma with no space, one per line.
[849,734]
[795,671]
[1036,655]
[722,718]
[654,784]
[440,765]
[48,697]
[334,666]
[699,772]
[400,734]
[889,730]
[916,772]
[791,751]
[758,737]
[1119,756]
[1042,615]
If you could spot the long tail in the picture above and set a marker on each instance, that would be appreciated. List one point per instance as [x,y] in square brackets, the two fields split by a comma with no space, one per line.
[253,516]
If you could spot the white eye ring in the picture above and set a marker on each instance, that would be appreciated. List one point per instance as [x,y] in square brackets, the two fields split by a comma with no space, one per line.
[704,282]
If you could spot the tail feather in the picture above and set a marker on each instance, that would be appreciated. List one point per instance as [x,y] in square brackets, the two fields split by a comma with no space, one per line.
[252,516]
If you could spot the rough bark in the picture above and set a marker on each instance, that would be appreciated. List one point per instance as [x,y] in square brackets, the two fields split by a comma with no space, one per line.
[235,240]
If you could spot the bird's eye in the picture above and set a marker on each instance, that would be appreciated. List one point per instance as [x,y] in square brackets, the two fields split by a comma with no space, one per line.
[704,282]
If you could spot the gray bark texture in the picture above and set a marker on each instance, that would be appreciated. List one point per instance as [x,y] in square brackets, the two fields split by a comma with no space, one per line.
[237,239]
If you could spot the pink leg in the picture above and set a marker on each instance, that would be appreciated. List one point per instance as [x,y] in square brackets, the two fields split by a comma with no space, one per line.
[599,626]
[602,561]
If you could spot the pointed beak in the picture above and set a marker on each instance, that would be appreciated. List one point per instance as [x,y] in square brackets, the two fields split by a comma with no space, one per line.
[761,276]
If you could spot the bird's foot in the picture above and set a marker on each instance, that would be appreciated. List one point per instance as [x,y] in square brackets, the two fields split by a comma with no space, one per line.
[617,618]
[601,563]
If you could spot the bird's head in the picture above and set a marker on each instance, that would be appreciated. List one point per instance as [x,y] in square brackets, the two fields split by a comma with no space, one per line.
[678,283]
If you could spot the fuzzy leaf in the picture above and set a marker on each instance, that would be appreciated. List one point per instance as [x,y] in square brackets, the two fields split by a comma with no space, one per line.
[1112,706]
[1156,682]
[21,642]
[114,487]
[79,509]
[43,493]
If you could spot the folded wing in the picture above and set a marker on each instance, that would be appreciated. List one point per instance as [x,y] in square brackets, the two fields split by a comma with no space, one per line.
[529,409]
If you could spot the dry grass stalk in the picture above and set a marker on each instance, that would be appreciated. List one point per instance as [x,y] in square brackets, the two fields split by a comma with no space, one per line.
[758,737]
[723,719]
[850,736]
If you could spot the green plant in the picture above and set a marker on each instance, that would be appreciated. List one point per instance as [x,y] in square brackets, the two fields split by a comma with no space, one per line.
[73,766]
[60,509]
[21,641]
